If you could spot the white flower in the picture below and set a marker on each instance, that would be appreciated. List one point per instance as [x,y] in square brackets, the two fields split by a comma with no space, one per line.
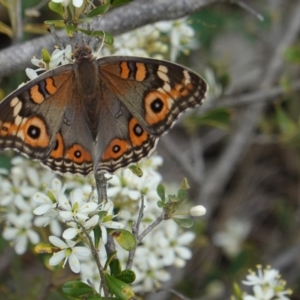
[76,3]
[76,229]
[106,221]
[58,57]
[232,236]
[68,252]
[45,202]
[267,284]
[20,232]
[77,208]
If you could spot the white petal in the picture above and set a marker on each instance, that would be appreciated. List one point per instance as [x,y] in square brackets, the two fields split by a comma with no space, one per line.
[41,198]
[41,210]
[82,251]
[56,258]
[186,238]
[21,244]
[77,3]
[57,242]
[31,74]
[69,233]
[33,237]
[74,263]
[183,252]
[66,215]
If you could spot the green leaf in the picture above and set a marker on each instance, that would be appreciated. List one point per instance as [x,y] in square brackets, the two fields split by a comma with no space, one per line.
[186,223]
[115,268]
[42,248]
[100,10]
[181,195]
[97,234]
[126,276]
[136,170]
[161,192]
[115,3]
[56,7]
[118,287]
[58,23]
[70,30]
[160,204]
[184,184]
[77,289]
[110,258]
[124,238]
[108,38]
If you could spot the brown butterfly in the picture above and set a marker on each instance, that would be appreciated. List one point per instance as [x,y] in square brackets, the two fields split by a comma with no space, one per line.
[97,115]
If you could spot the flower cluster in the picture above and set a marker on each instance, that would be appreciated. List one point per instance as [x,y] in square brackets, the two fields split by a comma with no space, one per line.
[165,39]
[266,284]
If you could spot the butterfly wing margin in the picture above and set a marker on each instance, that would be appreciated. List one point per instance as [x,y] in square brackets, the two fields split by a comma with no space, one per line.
[26,113]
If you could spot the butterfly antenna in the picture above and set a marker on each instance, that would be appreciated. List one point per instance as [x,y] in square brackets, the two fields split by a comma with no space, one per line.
[101,45]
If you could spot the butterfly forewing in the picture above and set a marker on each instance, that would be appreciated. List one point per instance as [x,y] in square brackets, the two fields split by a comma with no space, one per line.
[155,92]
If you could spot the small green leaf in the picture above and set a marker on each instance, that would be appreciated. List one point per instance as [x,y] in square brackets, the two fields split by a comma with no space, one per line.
[237,291]
[115,268]
[42,248]
[77,289]
[186,223]
[184,184]
[110,258]
[97,234]
[126,276]
[70,30]
[160,204]
[161,192]
[108,38]
[115,3]
[136,170]
[56,7]
[100,10]
[124,238]
[57,23]
[181,195]
[118,287]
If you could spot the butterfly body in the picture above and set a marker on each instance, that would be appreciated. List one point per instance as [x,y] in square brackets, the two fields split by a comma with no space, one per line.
[97,115]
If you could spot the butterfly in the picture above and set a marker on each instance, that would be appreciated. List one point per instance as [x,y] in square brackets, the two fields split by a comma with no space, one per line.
[97,115]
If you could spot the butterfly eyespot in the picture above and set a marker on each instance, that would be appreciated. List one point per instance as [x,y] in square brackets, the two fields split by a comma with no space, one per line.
[4,128]
[157,105]
[138,130]
[77,153]
[116,148]
[34,132]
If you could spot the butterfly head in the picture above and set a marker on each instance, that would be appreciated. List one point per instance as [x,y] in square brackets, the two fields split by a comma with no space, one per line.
[83,53]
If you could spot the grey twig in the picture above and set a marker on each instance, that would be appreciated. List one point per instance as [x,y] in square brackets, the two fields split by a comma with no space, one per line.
[135,231]
[117,21]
